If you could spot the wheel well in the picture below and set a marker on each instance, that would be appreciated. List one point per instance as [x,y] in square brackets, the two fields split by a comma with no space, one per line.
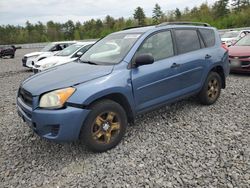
[120,99]
[220,71]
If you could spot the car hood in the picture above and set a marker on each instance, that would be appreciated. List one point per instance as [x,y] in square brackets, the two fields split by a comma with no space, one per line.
[54,59]
[64,76]
[33,54]
[45,54]
[239,51]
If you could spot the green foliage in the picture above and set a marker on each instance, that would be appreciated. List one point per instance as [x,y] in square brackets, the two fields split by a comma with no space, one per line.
[157,14]
[139,15]
[218,15]
[220,8]
[177,14]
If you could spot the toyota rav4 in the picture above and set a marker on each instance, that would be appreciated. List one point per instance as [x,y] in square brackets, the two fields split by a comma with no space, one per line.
[124,74]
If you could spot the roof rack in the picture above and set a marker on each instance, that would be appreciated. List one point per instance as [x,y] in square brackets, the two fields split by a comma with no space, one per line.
[134,27]
[184,23]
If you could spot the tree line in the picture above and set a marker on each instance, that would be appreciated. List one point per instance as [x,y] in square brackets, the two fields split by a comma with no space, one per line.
[222,14]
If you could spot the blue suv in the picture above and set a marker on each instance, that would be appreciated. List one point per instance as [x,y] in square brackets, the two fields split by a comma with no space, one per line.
[124,74]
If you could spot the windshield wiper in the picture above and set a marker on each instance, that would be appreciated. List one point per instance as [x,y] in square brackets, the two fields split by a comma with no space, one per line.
[89,62]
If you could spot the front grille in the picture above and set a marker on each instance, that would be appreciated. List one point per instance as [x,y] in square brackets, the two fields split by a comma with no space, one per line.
[25,96]
[245,63]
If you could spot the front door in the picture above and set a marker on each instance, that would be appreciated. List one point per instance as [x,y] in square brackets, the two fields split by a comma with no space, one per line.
[158,82]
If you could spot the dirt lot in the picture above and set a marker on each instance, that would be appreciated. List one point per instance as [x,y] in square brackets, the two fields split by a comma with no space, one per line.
[181,145]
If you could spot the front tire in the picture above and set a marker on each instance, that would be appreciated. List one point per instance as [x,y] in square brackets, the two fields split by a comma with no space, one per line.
[104,127]
[211,89]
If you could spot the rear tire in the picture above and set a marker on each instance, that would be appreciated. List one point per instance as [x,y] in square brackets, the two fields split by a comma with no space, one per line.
[104,127]
[211,89]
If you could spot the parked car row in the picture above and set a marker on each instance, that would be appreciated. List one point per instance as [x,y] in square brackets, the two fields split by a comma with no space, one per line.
[122,75]
[54,54]
[67,55]
[30,59]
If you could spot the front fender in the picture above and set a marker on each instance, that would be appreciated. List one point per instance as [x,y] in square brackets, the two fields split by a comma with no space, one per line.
[116,83]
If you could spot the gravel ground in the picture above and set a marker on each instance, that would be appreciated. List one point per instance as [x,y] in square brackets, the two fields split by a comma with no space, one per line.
[181,145]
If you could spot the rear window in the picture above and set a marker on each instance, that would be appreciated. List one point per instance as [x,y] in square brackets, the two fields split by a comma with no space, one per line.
[208,37]
[187,40]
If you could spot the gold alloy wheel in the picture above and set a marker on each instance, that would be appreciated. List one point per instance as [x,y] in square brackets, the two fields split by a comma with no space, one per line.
[106,127]
[213,89]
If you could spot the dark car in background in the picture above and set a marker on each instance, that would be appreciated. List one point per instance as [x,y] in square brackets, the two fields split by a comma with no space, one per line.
[239,55]
[7,51]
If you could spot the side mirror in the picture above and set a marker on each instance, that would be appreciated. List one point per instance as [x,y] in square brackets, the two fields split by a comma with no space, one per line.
[144,59]
[79,54]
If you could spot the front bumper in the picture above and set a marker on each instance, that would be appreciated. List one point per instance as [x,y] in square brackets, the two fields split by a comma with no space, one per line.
[29,62]
[239,64]
[58,125]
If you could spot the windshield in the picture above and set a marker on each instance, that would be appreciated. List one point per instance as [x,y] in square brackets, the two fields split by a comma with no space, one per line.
[69,50]
[231,34]
[111,49]
[245,41]
[48,47]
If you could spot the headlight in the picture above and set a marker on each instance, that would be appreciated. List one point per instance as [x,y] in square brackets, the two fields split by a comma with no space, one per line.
[56,99]
[46,66]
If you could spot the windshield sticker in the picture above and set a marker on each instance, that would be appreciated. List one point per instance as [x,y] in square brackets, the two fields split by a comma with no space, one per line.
[132,36]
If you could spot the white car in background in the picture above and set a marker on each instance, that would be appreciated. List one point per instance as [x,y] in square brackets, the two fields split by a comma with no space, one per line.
[49,50]
[231,37]
[67,55]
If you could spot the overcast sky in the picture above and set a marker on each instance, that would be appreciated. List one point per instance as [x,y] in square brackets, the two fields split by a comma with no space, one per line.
[17,12]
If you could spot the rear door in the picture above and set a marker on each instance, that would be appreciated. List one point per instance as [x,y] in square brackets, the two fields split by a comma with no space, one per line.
[155,83]
[192,59]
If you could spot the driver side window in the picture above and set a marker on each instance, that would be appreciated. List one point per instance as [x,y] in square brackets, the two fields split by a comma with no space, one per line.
[159,45]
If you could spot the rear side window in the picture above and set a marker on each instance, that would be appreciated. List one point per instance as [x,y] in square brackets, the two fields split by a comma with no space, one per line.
[187,40]
[208,37]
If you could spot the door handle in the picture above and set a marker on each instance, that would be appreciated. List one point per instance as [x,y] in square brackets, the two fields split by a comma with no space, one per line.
[208,56]
[175,65]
